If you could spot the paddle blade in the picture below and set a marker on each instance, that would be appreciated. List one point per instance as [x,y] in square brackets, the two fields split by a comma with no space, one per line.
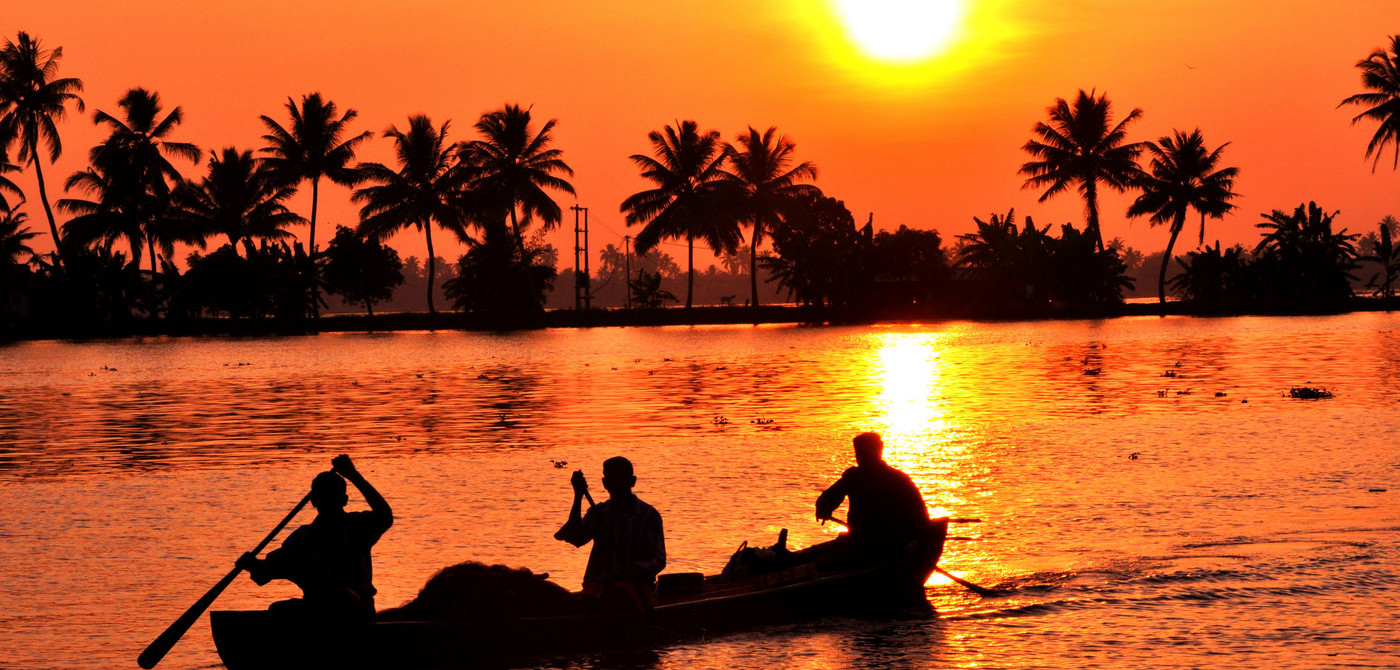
[161,646]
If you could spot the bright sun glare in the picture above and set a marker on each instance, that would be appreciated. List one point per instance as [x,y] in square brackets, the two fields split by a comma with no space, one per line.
[900,30]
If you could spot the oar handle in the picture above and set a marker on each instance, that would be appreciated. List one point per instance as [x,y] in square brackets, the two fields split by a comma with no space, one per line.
[162,644]
[952,520]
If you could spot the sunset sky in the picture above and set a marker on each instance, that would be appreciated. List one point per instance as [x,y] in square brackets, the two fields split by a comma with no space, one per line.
[928,142]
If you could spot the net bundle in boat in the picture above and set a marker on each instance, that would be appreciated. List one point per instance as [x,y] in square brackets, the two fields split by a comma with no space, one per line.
[474,591]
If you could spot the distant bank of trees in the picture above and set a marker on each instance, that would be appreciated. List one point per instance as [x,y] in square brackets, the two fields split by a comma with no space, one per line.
[130,212]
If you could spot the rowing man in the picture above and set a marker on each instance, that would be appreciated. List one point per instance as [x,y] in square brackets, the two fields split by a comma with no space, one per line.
[887,510]
[329,558]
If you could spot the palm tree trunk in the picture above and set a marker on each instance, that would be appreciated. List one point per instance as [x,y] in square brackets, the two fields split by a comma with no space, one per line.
[315,198]
[690,274]
[48,211]
[753,266]
[1167,259]
[311,251]
[432,264]
[1091,203]
[524,260]
[1202,239]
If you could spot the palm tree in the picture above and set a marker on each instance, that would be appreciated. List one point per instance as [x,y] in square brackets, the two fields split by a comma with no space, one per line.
[1380,75]
[238,199]
[312,148]
[8,186]
[115,208]
[767,183]
[1308,260]
[1078,147]
[14,238]
[1386,254]
[31,100]
[426,189]
[689,176]
[1182,176]
[511,166]
[137,146]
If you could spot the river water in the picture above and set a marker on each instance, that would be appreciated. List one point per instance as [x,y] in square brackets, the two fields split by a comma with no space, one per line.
[1251,530]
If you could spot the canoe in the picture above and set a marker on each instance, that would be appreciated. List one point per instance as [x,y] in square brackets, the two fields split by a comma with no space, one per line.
[814,582]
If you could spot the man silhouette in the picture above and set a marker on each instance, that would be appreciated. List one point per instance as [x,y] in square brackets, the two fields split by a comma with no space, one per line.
[629,547]
[329,558]
[887,510]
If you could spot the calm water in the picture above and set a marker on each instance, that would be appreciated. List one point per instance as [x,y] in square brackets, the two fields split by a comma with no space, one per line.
[1246,533]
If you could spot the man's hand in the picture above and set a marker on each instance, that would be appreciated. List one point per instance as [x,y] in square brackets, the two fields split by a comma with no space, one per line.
[580,484]
[247,562]
[342,466]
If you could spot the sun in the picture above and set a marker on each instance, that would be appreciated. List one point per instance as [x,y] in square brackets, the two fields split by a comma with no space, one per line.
[900,31]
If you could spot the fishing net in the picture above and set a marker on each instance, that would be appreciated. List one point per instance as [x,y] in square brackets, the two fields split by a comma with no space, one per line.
[473,591]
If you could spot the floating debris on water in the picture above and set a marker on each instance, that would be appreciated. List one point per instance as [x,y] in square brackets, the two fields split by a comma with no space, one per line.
[1169,374]
[1309,393]
[558,464]
[720,420]
[1220,394]
[1093,372]
[1134,456]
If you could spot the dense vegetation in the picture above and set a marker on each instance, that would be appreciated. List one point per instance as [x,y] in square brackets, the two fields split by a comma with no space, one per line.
[116,268]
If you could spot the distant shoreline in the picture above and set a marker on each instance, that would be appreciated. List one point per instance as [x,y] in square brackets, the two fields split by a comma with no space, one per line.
[676,316]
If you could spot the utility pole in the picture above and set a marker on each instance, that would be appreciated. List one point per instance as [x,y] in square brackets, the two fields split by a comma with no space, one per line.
[583,298]
[627,270]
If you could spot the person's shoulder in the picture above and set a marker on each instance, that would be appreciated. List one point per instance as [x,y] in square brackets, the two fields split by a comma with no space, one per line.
[646,508]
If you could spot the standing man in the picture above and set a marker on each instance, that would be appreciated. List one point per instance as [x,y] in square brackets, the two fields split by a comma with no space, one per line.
[629,548]
[329,558]
[887,510]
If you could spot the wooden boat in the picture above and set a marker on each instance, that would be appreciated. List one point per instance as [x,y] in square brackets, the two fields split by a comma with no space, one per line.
[818,581]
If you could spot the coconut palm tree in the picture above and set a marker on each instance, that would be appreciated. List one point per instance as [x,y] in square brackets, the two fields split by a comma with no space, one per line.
[766,183]
[7,186]
[138,145]
[1183,175]
[1380,75]
[1386,254]
[311,148]
[511,166]
[687,201]
[14,238]
[239,199]
[1080,147]
[32,99]
[426,189]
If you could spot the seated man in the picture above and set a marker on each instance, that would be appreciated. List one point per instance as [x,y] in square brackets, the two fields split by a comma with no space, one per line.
[887,510]
[329,558]
[629,549]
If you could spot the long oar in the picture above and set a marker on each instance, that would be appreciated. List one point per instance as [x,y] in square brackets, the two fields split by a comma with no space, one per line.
[161,646]
[979,590]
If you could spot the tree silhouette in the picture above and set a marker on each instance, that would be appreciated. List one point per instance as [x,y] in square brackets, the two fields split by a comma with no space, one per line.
[362,271]
[1007,263]
[1079,147]
[1301,259]
[1386,254]
[313,147]
[31,100]
[767,182]
[239,199]
[511,166]
[689,197]
[14,237]
[1182,176]
[1211,277]
[137,145]
[7,186]
[424,190]
[1380,75]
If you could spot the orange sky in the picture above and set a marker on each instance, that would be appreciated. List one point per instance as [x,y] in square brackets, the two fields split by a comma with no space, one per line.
[928,145]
